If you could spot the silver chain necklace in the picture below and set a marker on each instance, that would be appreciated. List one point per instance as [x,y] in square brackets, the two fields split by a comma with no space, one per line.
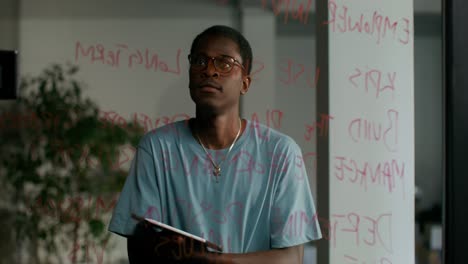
[217,167]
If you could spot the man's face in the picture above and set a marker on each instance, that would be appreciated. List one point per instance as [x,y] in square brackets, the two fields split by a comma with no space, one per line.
[210,87]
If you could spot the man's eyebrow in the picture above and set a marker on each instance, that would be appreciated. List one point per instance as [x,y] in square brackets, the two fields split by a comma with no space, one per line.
[226,55]
[220,55]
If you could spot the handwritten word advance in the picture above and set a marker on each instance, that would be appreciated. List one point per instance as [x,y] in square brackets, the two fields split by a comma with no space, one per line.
[112,56]
[365,173]
[378,26]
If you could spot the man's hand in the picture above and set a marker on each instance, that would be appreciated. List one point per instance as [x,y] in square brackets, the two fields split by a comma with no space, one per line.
[149,246]
[179,248]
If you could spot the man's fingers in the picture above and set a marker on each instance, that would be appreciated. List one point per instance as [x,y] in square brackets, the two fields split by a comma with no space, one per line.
[180,240]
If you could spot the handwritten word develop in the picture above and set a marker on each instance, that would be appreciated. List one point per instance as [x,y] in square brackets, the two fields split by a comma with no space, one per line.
[364,130]
[297,72]
[111,56]
[364,173]
[74,209]
[373,79]
[378,26]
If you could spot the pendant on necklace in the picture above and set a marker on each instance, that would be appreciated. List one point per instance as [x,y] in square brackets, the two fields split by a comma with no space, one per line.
[217,171]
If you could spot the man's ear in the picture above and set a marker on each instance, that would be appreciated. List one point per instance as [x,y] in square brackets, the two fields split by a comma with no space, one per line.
[246,84]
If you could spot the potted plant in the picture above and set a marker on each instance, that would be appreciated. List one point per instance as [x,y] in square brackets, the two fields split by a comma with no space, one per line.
[58,168]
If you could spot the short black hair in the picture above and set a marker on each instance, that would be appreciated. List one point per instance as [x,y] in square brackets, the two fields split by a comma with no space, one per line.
[228,32]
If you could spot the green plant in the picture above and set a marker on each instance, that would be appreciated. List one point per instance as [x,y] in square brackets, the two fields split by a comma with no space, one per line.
[56,153]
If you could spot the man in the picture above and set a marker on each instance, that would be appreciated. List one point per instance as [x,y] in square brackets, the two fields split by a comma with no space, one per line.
[234,182]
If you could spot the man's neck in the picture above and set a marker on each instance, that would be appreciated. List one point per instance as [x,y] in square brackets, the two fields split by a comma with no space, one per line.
[216,131]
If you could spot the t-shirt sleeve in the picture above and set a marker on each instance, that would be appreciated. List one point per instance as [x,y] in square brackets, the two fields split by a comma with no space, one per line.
[294,219]
[140,194]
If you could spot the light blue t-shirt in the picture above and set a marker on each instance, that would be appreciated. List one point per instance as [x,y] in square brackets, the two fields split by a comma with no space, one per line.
[261,201]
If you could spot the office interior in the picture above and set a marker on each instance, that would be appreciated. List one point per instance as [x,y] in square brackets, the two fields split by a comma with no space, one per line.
[283,91]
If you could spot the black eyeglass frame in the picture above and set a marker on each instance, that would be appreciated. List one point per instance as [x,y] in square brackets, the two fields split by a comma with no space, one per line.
[234,61]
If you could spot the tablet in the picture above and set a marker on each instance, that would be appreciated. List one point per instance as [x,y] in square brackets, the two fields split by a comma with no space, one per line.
[180,232]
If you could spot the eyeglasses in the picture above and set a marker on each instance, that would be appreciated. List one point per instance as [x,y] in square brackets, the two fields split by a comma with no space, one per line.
[223,64]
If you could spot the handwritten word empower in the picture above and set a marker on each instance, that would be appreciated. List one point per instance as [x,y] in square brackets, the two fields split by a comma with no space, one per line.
[376,26]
